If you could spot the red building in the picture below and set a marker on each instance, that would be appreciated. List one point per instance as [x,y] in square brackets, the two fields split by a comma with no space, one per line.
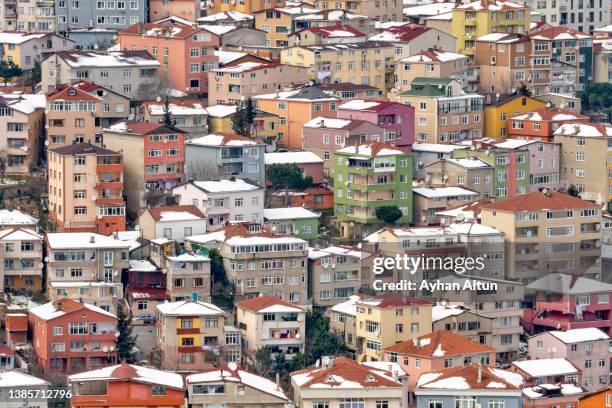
[190,51]
[127,385]
[154,158]
[70,337]
[542,123]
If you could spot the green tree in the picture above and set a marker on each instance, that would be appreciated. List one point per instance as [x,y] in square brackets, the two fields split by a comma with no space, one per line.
[319,340]
[222,287]
[242,120]
[37,72]
[298,362]
[263,362]
[597,98]
[280,364]
[523,90]
[389,213]
[287,177]
[126,340]
[9,70]
[167,119]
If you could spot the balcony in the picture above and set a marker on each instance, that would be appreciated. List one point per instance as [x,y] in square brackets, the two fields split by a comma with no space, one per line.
[110,185]
[115,168]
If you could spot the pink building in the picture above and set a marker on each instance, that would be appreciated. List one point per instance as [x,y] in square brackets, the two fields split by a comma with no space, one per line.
[324,135]
[395,118]
[189,49]
[436,351]
[587,349]
[566,302]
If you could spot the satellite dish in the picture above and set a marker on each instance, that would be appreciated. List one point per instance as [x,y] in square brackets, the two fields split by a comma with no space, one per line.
[325,361]
[93,198]
[158,99]
[96,46]
[40,265]
[112,348]
[105,349]
[460,217]
[46,143]
[232,366]
[46,259]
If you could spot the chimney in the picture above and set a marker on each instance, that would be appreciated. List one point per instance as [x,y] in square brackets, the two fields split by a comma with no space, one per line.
[278,386]
[415,342]
[479,373]
[395,376]
[92,239]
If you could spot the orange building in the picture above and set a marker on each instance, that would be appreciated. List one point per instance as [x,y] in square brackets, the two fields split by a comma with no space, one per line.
[191,50]
[598,399]
[247,7]
[16,326]
[294,109]
[542,123]
[186,9]
[126,385]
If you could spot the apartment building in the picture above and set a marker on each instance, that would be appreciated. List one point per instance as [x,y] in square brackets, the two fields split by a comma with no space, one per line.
[223,201]
[390,11]
[368,176]
[265,123]
[250,7]
[22,250]
[342,322]
[430,63]
[481,17]
[72,116]
[396,119]
[71,336]
[500,108]
[389,319]
[12,218]
[547,371]
[295,108]
[191,50]
[541,124]
[174,222]
[367,63]
[258,262]
[436,351]
[279,23]
[586,348]
[193,334]
[233,387]
[333,17]
[503,306]
[242,80]
[566,55]
[563,302]
[78,22]
[86,266]
[323,136]
[28,48]
[297,221]
[225,155]
[127,384]
[327,35]
[340,381]
[428,200]
[471,173]
[131,73]
[188,277]
[462,321]
[443,112]
[602,60]
[586,162]
[547,232]
[21,116]
[190,116]
[229,18]
[597,398]
[578,15]
[337,273]
[270,322]
[86,189]
[504,63]
[410,39]
[427,153]
[158,163]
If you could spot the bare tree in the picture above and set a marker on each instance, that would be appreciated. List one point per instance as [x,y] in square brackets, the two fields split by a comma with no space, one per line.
[201,171]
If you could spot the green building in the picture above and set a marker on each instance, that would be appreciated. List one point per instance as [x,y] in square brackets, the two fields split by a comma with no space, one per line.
[510,166]
[296,221]
[366,177]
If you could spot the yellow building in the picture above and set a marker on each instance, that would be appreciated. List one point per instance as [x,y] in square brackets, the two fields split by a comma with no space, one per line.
[246,7]
[265,126]
[387,320]
[366,63]
[482,17]
[279,23]
[499,108]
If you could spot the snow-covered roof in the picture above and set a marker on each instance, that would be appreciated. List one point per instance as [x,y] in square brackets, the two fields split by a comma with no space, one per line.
[440,192]
[226,15]
[330,123]
[225,186]
[111,60]
[439,312]
[491,5]
[14,379]
[472,228]
[421,232]
[436,147]
[24,103]
[49,311]
[337,250]
[584,130]
[142,265]
[245,67]
[16,217]
[232,374]
[471,377]
[438,55]
[372,149]
[134,373]
[442,16]
[223,140]
[546,367]
[469,163]
[177,109]
[218,29]
[19,234]
[359,104]
[221,111]
[562,283]
[292,157]
[543,390]
[186,257]
[579,335]
[189,308]
[76,240]
[505,38]
[289,213]
[171,216]
[606,29]
[428,9]
[348,307]
[225,57]
[19,37]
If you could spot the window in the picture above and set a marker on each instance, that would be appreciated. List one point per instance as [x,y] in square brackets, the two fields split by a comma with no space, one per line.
[435,404]
[496,404]
[465,402]
[157,389]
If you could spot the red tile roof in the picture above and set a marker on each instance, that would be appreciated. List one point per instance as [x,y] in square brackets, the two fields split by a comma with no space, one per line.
[552,32]
[157,211]
[262,302]
[449,343]
[78,94]
[502,380]
[344,370]
[407,32]
[168,29]
[539,201]
[547,114]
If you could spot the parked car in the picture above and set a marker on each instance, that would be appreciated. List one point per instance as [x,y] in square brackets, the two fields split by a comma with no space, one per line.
[145,319]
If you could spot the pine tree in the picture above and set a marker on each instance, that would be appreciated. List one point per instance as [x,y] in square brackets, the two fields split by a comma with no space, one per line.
[126,340]
[167,119]
[242,120]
